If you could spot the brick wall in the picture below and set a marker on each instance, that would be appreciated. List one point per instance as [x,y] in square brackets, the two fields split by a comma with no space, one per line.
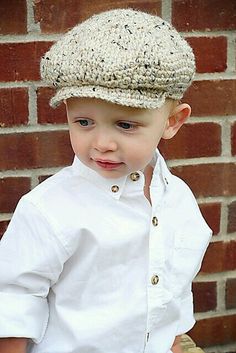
[34,141]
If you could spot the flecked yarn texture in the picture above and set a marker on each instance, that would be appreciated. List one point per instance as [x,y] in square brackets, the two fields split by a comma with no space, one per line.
[124,56]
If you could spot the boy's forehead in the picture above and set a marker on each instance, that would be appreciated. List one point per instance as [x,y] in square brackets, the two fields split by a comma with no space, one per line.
[95,105]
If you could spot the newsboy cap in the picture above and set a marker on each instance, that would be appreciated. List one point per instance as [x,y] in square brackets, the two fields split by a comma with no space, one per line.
[123,56]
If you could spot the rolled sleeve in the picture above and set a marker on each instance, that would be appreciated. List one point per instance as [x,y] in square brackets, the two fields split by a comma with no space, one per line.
[23,316]
[31,261]
[187,320]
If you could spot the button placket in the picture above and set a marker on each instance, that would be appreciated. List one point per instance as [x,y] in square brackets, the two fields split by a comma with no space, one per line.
[155,271]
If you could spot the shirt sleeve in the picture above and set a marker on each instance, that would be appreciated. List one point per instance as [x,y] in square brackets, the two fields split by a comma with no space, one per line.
[31,260]
[186,320]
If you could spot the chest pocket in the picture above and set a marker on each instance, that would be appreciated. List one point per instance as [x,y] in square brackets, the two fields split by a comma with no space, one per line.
[188,253]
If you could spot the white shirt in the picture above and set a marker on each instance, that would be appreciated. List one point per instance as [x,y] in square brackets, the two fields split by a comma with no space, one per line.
[87,265]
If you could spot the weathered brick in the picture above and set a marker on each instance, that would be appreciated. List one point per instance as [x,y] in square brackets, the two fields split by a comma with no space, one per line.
[13,16]
[20,61]
[215,330]
[212,212]
[192,141]
[46,114]
[209,98]
[3,227]
[230,293]
[53,17]
[35,150]
[209,179]
[210,53]
[233,139]
[11,189]
[41,178]
[205,296]
[231,217]
[13,106]
[220,257]
[191,15]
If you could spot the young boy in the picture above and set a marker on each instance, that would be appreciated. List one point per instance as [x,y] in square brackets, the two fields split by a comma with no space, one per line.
[101,256]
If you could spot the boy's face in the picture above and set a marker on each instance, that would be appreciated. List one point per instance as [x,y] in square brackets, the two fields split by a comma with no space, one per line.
[114,140]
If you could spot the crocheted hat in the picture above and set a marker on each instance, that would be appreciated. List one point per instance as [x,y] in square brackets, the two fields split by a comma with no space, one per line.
[123,56]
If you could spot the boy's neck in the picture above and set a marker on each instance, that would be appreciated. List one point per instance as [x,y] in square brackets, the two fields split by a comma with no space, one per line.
[148,172]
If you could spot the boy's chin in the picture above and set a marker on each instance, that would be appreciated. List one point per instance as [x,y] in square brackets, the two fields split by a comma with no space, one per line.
[111,174]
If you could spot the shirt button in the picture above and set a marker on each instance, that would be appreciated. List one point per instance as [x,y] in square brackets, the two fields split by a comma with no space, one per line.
[154,221]
[115,188]
[155,279]
[134,176]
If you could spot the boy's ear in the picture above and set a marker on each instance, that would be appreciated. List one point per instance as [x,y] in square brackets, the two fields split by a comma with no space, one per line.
[177,118]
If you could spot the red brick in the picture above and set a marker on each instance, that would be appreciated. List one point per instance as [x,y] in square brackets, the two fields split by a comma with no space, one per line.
[13,16]
[209,179]
[41,178]
[20,61]
[205,296]
[53,18]
[35,150]
[231,217]
[193,141]
[233,139]
[210,53]
[13,106]
[11,189]
[191,15]
[3,227]
[46,114]
[230,293]
[220,257]
[209,98]
[214,331]
[212,212]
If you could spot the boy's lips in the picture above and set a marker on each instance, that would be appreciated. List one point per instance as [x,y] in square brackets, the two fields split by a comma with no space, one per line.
[107,164]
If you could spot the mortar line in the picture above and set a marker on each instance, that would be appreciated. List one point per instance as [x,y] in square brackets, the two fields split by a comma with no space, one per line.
[32,27]
[211,314]
[221,348]
[220,293]
[32,105]
[166,10]
[213,277]
[35,34]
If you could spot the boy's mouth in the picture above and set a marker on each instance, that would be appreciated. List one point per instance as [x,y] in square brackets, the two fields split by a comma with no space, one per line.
[106,164]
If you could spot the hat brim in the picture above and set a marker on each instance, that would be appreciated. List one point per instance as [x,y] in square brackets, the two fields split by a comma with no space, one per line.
[133,98]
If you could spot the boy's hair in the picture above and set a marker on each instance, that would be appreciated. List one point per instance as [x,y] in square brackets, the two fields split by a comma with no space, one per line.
[123,56]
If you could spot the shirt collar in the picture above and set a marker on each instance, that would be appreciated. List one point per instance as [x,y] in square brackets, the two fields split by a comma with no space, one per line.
[116,187]
[161,171]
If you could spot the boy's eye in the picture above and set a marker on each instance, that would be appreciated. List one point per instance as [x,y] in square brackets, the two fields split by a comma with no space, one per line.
[126,125]
[84,122]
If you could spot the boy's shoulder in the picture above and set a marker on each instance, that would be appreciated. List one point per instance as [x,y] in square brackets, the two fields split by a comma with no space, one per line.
[181,191]
[53,185]
[57,193]
[52,205]
[178,192]
[184,205]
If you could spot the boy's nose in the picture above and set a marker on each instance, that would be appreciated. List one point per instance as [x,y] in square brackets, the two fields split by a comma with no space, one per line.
[104,142]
